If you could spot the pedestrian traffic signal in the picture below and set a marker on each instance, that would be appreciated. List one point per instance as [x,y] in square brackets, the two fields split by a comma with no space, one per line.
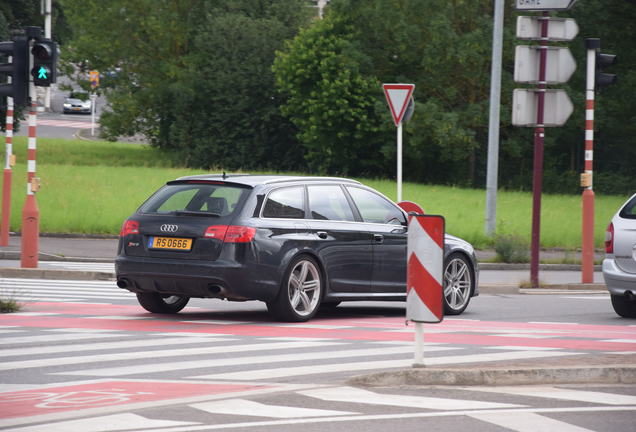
[44,62]
[17,69]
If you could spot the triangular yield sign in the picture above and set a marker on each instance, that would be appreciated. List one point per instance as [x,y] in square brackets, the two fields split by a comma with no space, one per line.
[398,95]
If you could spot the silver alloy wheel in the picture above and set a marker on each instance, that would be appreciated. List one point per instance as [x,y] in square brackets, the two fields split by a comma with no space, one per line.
[457,278]
[303,288]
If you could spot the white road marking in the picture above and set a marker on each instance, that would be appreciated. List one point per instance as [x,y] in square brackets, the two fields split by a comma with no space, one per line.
[52,349]
[62,361]
[58,337]
[360,396]
[378,417]
[516,348]
[252,360]
[261,374]
[526,335]
[216,322]
[527,422]
[244,407]
[563,394]
[109,423]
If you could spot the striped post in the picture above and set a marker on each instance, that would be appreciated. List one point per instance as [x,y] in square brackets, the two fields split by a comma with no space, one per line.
[30,212]
[6,184]
[425,275]
[587,256]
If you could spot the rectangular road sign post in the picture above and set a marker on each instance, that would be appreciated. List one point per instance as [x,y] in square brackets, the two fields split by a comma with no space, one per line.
[425,275]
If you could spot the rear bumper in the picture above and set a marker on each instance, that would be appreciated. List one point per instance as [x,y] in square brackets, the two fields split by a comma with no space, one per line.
[203,279]
[617,281]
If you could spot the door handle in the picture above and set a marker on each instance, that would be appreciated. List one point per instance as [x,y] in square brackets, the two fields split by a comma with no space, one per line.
[322,234]
[378,238]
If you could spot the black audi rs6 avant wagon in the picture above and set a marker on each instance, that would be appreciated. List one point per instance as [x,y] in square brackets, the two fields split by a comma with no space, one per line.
[295,243]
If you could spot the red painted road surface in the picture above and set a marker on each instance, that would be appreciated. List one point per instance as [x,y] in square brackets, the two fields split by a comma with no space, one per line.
[456,331]
[74,397]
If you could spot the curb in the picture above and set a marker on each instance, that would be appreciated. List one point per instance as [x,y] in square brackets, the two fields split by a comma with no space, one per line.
[612,374]
[517,266]
[16,256]
[28,273]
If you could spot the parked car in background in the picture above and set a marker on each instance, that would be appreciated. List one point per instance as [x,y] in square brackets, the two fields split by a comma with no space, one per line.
[77,103]
[295,243]
[619,265]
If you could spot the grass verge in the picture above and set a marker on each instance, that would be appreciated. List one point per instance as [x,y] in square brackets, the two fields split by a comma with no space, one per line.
[90,187]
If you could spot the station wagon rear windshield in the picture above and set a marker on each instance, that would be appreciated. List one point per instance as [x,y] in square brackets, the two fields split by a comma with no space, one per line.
[195,200]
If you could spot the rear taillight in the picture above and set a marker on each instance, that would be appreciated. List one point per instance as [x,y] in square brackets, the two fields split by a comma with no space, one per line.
[129,227]
[231,233]
[216,232]
[609,239]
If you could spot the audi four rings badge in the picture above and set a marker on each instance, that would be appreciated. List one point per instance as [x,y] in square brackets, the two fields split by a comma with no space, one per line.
[169,228]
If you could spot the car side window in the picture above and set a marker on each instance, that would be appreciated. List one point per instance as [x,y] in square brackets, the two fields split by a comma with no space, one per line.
[328,202]
[375,208]
[629,211]
[285,203]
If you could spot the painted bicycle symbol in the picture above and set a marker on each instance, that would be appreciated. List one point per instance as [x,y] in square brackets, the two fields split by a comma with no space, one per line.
[73,399]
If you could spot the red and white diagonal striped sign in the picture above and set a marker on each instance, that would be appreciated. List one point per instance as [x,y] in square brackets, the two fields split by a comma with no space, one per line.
[425,273]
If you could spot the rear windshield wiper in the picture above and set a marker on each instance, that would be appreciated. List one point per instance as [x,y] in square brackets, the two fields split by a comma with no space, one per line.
[195,213]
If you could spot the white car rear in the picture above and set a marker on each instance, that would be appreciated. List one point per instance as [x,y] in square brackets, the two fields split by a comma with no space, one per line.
[619,265]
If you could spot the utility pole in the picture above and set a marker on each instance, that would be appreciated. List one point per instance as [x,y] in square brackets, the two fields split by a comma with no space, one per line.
[47,34]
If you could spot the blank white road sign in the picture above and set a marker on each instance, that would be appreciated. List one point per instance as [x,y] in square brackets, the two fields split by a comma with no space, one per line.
[559,29]
[560,64]
[557,107]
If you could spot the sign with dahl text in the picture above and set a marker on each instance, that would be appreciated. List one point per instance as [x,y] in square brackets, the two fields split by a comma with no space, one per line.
[543,5]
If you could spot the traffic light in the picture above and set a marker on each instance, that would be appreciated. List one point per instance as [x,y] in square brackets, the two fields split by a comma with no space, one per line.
[44,70]
[602,60]
[17,69]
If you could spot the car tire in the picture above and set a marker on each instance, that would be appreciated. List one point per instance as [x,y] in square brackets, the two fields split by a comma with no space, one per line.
[162,304]
[458,283]
[300,293]
[624,306]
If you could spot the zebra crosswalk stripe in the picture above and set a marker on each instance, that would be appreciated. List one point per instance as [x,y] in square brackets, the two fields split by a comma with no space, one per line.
[360,396]
[564,394]
[58,338]
[237,361]
[527,422]
[244,407]
[52,349]
[170,352]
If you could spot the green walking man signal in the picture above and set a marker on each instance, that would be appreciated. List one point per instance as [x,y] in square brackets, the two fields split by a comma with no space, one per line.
[42,73]
[44,62]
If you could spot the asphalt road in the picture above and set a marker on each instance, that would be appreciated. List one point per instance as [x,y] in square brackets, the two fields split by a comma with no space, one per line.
[87,357]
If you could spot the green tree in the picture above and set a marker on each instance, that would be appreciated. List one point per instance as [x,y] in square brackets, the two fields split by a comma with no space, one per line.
[333,105]
[192,75]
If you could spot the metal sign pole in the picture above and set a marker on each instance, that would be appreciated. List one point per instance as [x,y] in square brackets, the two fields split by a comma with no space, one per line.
[587,256]
[399,162]
[539,135]
[93,98]
[6,185]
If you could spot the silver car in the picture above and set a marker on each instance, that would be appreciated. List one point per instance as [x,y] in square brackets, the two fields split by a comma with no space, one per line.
[619,265]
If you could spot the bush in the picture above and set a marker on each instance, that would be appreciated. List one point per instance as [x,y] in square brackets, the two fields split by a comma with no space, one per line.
[511,249]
